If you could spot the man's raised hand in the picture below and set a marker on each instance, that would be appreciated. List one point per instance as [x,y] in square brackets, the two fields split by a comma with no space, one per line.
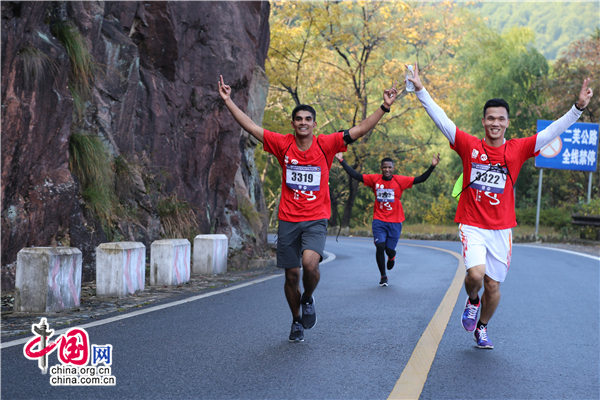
[390,95]
[436,159]
[415,79]
[224,90]
[585,94]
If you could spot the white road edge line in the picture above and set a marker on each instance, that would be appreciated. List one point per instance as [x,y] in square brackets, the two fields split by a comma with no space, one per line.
[330,257]
[563,250]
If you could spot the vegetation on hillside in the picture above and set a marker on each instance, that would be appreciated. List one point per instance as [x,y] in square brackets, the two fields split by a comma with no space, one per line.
[555,24]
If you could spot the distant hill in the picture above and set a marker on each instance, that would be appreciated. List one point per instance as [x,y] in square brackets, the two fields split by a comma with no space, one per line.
[555,24]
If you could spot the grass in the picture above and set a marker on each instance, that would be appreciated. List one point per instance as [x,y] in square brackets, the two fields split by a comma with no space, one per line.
[91,162]
[35,65]
[83,64]
[177,218]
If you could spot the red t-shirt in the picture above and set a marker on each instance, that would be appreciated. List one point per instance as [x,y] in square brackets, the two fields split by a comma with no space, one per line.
[388,207]
[489,202]
[305,175]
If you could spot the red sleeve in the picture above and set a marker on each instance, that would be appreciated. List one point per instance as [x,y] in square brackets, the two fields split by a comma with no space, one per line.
[274,143]
[528,147]
[369,180]
[460,140]
[332,144]
[405,182]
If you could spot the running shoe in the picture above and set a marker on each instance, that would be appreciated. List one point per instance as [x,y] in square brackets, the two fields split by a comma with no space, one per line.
[469,316]
[383,281]
[481,338]
[309,315]
[391,262]
[297,332]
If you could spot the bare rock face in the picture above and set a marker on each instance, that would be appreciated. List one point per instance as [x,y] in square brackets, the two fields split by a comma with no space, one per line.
[154,102]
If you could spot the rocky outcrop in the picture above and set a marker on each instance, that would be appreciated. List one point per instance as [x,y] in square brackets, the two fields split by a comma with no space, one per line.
[154,102]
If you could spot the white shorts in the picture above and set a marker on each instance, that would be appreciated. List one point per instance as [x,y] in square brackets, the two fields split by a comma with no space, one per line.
[492,248]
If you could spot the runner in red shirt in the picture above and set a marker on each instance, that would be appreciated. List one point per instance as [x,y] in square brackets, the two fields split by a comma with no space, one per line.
[486,209]
[305,205]
[388,214]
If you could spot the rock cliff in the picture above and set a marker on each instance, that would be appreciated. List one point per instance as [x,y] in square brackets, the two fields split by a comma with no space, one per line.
[152,99]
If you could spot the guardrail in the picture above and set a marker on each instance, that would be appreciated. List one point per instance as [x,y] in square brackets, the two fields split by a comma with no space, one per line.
[587,220]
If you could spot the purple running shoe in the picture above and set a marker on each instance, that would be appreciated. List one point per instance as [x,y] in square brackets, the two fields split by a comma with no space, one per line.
[469,316]
[481,338]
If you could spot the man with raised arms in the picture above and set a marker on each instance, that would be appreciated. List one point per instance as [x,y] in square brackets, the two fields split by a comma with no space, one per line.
[486,209]
[305,204]
[388,213]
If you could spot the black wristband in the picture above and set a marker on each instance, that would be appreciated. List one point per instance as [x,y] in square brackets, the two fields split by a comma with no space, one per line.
[387,110]
[580,109]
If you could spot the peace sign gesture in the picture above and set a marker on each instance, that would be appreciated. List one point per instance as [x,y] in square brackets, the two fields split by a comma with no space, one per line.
[585,94]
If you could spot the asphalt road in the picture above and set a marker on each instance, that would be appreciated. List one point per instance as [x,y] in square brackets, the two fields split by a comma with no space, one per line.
[234,344]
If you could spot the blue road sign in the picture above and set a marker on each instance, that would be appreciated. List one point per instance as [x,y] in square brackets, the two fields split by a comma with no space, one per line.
[575,149]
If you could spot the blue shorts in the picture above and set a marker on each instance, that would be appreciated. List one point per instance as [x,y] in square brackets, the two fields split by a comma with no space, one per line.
[388,232]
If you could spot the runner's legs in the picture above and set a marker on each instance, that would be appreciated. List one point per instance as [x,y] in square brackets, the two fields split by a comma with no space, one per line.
[487,254]
[380,237]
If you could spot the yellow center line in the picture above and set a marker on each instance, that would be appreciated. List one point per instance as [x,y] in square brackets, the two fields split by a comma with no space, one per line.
[411,382]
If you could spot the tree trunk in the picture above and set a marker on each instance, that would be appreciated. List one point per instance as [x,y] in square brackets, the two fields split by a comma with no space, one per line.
[275,212]
[335,215]
[353,191]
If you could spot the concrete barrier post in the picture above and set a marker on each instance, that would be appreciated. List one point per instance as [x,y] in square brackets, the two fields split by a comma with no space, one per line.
[120,268]
[47,279]
[210,254]
[170,262]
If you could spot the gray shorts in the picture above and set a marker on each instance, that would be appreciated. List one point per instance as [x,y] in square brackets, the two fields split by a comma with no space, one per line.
[295,237]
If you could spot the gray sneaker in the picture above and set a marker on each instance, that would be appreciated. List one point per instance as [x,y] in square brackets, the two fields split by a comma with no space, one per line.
[297,332]
[309,315]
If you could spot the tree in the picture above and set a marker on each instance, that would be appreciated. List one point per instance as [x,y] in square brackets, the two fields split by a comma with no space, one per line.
[580,61]
[562,88]
[339,56]
[503,66]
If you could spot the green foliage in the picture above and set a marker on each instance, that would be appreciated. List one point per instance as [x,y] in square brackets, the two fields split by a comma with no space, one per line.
[90,161]
[177,218]
[557,218]
[555,24]
[441,211]
[83,65]
[101,202]
[579,62]
[502,66]
[591,208]
[36,64]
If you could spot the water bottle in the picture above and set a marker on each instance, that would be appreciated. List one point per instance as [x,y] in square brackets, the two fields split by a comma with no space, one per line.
[410,87]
